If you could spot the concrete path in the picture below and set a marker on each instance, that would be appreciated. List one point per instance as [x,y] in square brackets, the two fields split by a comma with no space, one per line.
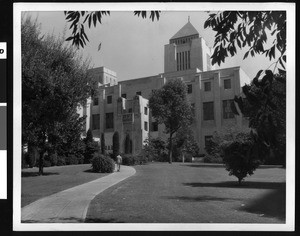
[70,206]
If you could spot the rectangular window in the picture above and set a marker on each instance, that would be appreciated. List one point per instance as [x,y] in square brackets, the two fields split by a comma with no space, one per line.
[227,111]
[177,61]
[189,60]
[96,121]
[185,55]
[124,95]
[139,93]
[109,121]
[130,110]
[207,86]
[227,83]
[154,126]
[109,99]
[95,101]
[207,139]
[146,110]
[208,111]
[190,88]
[180,61]
[146,125]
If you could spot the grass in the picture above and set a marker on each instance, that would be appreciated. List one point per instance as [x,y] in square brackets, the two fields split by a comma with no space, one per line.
[192,193]
[55,179]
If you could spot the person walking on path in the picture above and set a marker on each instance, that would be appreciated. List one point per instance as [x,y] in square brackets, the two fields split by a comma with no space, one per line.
[119,161]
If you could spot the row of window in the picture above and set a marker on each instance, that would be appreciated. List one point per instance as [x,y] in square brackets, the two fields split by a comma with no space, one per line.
[207,87]
[183,60]
[208,114]
[109,98]
[183,40]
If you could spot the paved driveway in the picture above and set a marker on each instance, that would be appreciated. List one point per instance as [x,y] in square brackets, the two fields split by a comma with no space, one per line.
[192,193]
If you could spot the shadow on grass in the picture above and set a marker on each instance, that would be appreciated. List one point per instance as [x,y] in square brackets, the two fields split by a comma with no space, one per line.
[99,220]
[201,198]
[33,174]
[204,165]
[89,171]
[271,204]
[234,184]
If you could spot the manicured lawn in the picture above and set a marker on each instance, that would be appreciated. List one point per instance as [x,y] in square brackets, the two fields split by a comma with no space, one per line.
[192,193]
[56,179]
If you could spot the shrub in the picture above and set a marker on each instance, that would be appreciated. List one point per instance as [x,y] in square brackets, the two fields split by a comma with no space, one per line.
[47,163]
[237,156]
[155,149]
[71,159]
[102,163]
[32,156]
[212,159]
[80,158]
[53,159]
[61,161]
[130,160]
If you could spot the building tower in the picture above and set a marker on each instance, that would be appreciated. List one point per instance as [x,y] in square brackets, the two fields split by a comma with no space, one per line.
[187,51]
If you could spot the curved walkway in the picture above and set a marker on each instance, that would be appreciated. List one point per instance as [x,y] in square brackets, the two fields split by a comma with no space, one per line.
[70,206]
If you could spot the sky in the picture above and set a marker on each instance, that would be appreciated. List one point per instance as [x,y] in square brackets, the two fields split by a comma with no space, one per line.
[133,47]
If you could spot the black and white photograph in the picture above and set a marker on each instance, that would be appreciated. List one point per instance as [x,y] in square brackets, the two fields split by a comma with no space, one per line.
[162,116]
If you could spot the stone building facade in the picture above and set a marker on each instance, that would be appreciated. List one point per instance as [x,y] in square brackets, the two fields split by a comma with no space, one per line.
[122,105]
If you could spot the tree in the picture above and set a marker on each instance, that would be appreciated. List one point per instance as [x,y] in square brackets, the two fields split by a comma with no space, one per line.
[248,29]
[75,18]
[54,82]
[169,106]
[265,108]
[91,147]
[239,157]
[116,144]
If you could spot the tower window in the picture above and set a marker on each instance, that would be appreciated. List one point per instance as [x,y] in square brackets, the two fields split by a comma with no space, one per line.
[227,111]
[96,121]
[95,101]
[146,126]
[146,110]
[207,86]
[139,93]
[124,95]
[109,99]
[190,88]
[227,83]
[208,111]
[109,121]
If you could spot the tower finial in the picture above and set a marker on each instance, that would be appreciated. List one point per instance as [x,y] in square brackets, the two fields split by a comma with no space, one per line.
[188,18]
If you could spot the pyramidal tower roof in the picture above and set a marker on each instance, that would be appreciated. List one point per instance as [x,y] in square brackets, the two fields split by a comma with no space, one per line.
[187,30]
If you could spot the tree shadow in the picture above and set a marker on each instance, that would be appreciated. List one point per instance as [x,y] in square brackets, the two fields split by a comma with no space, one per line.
[234,184]
[271,204]
[102,220]
[89,171]
[200,198]
[204,165]
[34,174]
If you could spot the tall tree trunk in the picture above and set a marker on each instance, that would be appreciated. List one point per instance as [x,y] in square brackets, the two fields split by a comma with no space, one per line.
[41,163]
[170,148]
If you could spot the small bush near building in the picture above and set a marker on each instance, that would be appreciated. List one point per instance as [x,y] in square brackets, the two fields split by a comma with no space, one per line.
[102,163]
[61,161]
[238,158]
[129,160]
[71,159]
[53,159]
